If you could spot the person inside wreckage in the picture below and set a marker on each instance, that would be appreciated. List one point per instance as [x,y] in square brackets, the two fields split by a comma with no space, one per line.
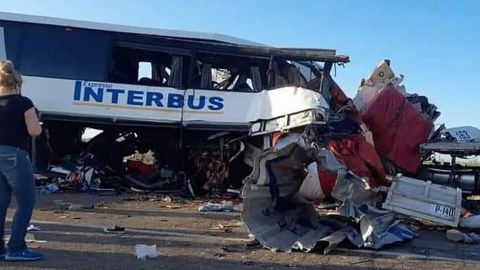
[18,123]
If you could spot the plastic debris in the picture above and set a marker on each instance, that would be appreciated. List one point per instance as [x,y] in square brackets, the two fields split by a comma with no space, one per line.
[49,189]
[33,228]
[143,252]
[60,170]
[217,207]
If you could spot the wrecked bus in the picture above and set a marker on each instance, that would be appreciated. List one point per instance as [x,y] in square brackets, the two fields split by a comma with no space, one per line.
[164,106]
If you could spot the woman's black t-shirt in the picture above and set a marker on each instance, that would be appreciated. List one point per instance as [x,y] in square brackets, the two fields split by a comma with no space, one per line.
[13,131]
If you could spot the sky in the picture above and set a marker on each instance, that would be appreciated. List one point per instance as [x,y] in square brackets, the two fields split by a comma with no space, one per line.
[433,43]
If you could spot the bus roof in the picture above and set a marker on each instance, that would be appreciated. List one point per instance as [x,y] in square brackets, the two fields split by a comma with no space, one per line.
[215,42]
[124,29]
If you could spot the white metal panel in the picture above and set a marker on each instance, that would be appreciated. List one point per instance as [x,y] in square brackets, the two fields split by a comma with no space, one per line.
[268,104]
[425,200]
[57,96]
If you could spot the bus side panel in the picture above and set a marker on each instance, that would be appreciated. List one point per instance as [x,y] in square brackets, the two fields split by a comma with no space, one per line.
[104,100]
[238,107]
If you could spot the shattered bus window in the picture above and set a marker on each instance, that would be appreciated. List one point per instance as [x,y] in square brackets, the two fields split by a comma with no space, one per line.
[232,73]
[135,64]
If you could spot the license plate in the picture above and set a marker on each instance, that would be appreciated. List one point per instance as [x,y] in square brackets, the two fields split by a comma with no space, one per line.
[445,211]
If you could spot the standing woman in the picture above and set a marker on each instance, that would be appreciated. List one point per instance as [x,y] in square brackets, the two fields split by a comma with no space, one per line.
[18,124]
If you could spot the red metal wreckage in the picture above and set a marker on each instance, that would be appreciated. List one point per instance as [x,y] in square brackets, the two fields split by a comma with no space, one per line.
[369,159]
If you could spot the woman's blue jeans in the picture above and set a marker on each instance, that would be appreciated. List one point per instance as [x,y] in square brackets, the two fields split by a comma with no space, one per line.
[16,177]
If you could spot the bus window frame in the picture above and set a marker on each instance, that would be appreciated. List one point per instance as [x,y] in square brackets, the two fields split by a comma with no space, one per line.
[124,43]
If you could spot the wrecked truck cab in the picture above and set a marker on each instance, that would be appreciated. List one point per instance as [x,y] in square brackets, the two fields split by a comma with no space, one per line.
[197,99]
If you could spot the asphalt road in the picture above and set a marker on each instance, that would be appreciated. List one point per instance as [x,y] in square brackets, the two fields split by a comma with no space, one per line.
[187,239]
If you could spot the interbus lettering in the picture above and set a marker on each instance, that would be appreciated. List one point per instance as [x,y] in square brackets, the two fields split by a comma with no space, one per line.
[191,102]
[154,97]
[104,93]
[175,101]
[115,93]
[95,95]
[135,98]
[216,103]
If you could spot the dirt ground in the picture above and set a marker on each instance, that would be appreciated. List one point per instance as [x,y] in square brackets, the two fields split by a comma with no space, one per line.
[73,230]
